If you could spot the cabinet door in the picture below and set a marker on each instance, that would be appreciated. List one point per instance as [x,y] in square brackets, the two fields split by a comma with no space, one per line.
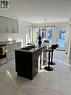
[9,25]
[14,26]
[0,25]
[3,25]
[11,50]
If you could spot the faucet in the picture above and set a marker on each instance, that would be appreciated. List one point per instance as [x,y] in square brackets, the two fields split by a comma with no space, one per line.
[32,44]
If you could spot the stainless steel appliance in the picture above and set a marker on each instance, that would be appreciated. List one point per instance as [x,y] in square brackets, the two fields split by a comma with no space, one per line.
[3,52]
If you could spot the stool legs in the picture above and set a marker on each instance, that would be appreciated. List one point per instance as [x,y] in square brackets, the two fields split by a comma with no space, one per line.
[52,63]
[48,68]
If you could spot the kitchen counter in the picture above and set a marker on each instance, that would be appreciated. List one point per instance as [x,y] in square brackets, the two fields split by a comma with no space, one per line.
[26,61]
[13,43]
[32,50]
[3,42]
[10,47]
[7,42]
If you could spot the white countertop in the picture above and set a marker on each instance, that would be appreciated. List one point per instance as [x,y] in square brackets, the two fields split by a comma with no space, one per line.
[8,42]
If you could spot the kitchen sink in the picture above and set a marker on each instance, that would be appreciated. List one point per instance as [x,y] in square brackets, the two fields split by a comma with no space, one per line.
[27,48]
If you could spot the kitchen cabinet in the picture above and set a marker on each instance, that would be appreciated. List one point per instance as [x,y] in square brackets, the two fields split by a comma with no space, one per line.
[8,25]
[3,25]
[12,26]
[28,61]
[11,50]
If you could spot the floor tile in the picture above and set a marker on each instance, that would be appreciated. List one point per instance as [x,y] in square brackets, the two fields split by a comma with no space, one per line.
[56,82]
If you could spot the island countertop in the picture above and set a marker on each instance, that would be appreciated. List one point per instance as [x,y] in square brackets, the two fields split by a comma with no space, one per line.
[37,48]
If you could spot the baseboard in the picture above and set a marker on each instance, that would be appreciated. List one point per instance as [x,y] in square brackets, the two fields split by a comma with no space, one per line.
[61,49]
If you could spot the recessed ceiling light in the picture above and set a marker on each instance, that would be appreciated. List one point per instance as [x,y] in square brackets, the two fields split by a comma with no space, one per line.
[4,3]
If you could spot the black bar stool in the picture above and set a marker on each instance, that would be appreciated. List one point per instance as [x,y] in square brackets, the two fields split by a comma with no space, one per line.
[49,68]
[47,43]
[53,47]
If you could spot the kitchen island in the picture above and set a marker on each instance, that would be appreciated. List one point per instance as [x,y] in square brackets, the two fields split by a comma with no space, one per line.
[26,61]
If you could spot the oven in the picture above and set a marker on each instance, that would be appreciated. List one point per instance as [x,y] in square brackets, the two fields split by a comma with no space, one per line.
[3,54]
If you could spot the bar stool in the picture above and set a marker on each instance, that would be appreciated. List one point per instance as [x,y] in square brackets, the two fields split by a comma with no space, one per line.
[53,47]
[47,43]
[49,68]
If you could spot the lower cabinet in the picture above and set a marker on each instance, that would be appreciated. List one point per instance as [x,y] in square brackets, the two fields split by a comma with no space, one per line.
[28,62]
[11,50]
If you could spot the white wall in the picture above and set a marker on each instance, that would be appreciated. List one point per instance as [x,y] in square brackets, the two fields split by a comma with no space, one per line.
[69,50]
[23,31]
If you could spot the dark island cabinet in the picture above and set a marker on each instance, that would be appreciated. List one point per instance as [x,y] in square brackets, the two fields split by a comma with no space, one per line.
[26,62]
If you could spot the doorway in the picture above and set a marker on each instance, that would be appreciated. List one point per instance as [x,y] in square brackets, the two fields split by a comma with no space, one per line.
[54,34]
[61,38]
[50,32]
[47,34]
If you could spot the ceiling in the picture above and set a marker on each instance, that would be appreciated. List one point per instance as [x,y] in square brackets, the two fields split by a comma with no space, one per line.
[38,10]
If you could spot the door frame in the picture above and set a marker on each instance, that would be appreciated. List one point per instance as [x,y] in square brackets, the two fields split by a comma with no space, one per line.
[58,30]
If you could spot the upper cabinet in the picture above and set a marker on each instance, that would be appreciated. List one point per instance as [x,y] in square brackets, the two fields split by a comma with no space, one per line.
[8,25]
[15,26]
[3,25]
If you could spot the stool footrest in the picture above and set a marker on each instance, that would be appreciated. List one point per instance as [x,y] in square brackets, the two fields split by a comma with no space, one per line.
[48,68]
